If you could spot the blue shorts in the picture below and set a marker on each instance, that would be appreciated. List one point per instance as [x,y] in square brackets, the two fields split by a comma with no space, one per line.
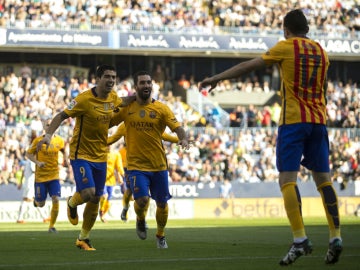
[109,191]
[89,174]
[157,183]
[304,143]
[52,188]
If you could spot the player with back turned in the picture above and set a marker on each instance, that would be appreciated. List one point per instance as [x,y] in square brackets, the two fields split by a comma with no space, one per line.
[302,133]
[146,120]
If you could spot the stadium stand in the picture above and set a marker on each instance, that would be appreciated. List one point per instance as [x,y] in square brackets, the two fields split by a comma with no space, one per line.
[244,151]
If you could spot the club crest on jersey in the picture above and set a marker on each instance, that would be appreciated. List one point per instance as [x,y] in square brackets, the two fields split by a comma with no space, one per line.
[72,104]
[152,114]
[109,106]
[142,113]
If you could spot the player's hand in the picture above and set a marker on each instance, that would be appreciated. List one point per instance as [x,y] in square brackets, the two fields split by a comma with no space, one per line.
[184,144]
[41,164]
[45,140]
[208,82]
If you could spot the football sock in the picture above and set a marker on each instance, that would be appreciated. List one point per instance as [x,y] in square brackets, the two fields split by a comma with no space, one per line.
[330,202]
[102,202]
[89,218]
[76,200]
[54,214]
[161,219]
[292,202]
[126,198]
[141,212]
[106,206]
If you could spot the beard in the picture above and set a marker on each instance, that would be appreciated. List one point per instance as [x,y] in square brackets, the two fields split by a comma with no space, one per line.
[144,96]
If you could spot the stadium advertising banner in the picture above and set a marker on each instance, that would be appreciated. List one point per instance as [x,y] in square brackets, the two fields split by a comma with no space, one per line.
[185,42]
[53,38]
[116,40]
[197,200]
[192,208]
[226,43]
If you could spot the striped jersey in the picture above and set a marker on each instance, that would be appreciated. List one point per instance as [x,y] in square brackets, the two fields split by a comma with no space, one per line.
[92,114]
[303,67]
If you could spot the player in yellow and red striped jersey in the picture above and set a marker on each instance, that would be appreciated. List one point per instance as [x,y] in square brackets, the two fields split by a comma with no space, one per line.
[302,134]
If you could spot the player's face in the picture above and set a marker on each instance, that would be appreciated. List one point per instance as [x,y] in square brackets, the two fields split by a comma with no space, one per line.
[144,87]
[107,81]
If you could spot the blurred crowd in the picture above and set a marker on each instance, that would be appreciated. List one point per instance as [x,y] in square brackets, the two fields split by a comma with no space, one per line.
[331,18]
[243,152]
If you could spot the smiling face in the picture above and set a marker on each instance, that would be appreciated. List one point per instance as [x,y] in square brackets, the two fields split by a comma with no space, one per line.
[106,82]
[143,87]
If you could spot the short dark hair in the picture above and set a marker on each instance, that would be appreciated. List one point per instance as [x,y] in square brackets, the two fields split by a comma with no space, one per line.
[101,69]
[139,73]
[296,22]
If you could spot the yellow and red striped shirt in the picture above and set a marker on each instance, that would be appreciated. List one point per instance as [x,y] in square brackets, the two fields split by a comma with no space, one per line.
[303,67]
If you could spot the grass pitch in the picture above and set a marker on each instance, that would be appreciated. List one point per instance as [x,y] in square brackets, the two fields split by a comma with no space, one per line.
[247,244]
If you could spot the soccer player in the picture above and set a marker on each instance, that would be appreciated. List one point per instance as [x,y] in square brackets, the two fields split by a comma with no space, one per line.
[114,175]
[302,133]
[27,184]
[92,110]
[47,181]
[145,121]
[119,133]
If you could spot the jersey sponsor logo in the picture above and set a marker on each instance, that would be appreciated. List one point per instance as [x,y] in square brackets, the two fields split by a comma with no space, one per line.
[103,118]
[72,104]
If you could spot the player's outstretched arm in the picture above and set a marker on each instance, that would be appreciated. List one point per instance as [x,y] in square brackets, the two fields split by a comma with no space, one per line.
[232,73]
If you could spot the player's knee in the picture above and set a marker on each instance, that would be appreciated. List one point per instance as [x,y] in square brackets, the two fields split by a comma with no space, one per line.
[142,202]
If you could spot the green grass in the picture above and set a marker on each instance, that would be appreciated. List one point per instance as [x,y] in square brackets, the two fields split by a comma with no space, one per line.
[247,244]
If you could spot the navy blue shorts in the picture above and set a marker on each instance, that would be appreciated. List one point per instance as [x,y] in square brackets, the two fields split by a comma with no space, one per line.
[304,143]
[146,183]
[42,189]
[89,174]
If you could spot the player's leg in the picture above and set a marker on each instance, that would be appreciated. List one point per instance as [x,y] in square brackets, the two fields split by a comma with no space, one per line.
[103,206]
[93,192]
[290,144]
[24,205]
[316,158]
[54,189]
[159,189]
[126,199]
[81,170]
[28,197]
[139,182]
